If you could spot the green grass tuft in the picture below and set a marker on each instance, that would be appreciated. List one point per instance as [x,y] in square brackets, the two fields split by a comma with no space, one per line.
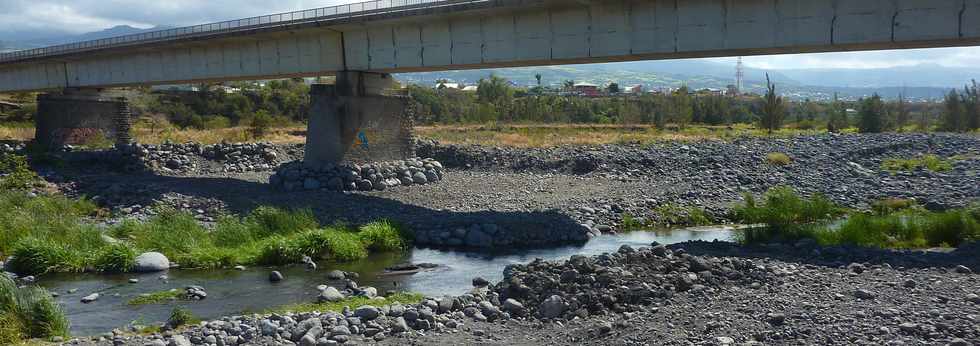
[384,236]
[778,159]
[180,316]
[155,298]
[930,162]
[115,258]
[28,312]
[353,302]
[784,215]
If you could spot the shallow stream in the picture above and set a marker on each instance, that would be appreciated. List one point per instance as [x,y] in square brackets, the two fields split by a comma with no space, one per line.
[232,292]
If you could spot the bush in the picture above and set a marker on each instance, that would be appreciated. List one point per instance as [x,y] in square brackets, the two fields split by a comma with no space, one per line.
[890,205]
[383,236]
[778,159]
[180,316]
[33,256]
[15,173]
[28,312]
[115,258]
[930,162]
[784,215]
[273,221]
[260,124]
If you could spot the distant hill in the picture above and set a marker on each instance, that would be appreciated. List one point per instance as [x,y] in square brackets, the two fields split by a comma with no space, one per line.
[53,40]
[920,82]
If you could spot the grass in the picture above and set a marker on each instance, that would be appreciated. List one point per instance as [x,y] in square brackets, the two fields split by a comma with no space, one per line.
[352,302]
[778,159]
[553,135]
[15,173]
[51,234]
[671,214]
[28,313]
[155,298]
[929,162]
[784,216]
[180,317]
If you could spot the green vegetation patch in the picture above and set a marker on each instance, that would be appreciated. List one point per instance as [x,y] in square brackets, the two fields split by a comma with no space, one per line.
[28,313]
[353,302]
[180,316]
[930,162]
[778,159]
[784,216]
[156,298]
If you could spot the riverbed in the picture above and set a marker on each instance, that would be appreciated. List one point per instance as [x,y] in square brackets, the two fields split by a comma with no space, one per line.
[233,292]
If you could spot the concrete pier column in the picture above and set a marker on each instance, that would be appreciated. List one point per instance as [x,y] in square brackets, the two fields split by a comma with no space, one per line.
[360,118]
[81,116]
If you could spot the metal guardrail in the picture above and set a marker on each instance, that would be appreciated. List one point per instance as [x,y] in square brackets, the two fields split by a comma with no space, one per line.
[296,17]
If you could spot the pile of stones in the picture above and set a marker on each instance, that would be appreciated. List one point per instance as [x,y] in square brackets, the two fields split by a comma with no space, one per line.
[237,157]
[622,281]
[11,149]
[243,157]
[297,175]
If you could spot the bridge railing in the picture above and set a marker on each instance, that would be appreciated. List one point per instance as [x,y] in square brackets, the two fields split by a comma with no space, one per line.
[323,14]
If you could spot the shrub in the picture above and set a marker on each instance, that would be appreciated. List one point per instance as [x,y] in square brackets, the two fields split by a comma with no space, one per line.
[778,159]
[383,236]
[171,233]
[115,258]
[891,205]
[272,221]
[15,173]
[33,256]
[28,312]
[180,316]
[930,162]
[260,124]
[951,228]
[784,215]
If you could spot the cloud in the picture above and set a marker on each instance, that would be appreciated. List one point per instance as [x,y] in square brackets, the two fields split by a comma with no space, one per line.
[949,57]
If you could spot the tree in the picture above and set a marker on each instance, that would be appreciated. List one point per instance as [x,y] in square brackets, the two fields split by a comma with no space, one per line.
[569,85]
[901,112]
[837,119]
[954,114]
[774,110]
[613,88]
[872,115]
[538,77]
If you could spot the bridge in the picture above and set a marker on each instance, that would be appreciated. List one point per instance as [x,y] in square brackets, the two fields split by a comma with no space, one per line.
[363,43]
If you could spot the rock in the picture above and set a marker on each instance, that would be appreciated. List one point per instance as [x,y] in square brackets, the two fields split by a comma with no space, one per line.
[973,298]
[330,294]
[179,340]
[552,307]
[367,312]
[514,307]
[398,325]
[275,276]
[908,327]
[90,298]
[480,282]
[958,342]
[909,283]
[419,178]
[149,262]
[856,268]
[724,340]
[336,275]
[775,319]
[240,268]
[134,281]
[962,269]
[863,294]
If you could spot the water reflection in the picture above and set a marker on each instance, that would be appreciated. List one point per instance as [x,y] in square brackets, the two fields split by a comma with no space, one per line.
[231,292]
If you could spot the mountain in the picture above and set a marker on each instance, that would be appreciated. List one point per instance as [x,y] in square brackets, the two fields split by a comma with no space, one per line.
[56,39]
[918,82]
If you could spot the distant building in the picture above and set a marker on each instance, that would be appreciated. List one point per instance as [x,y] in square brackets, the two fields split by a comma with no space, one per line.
[447,85]
[636,89]
[586,89]
[470,88]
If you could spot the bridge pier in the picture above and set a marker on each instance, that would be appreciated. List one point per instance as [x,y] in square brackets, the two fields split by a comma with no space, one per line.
[360,118]
[81,116]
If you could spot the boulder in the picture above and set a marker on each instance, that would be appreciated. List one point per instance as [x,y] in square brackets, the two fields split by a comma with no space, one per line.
[149,262]
[275,276]
[330,295]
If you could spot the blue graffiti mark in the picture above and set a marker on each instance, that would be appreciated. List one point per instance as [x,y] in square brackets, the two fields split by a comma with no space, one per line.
[364,140]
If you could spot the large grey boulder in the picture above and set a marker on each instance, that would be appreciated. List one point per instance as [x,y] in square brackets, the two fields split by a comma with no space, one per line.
[553,307]
[330,295]
[149,262]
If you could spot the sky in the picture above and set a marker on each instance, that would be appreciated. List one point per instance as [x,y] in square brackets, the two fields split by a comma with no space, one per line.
[28,19]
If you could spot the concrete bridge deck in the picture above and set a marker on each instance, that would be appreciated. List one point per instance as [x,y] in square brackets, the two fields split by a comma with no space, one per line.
[424,35]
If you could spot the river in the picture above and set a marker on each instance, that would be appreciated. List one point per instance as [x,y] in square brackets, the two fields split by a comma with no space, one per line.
[233,292]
